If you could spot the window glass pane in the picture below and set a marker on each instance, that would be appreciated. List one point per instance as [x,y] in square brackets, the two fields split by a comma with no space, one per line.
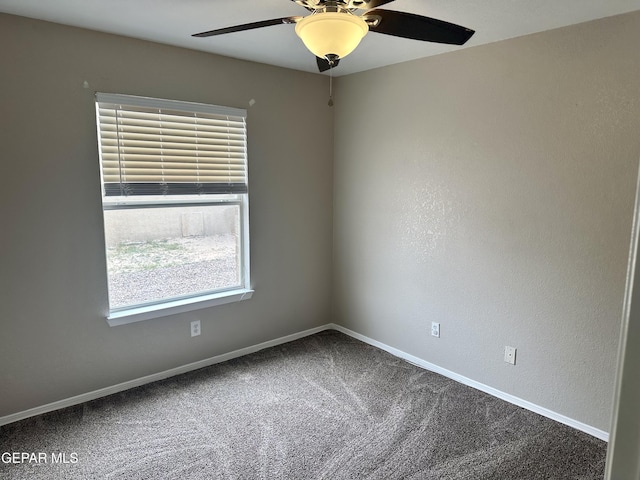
[160,253]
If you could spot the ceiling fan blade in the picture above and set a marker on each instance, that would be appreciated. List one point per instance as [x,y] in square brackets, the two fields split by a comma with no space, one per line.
[323,64]
[416,27]
[305,4]
[248,26]
[368,4]
[348,4]
[313,5]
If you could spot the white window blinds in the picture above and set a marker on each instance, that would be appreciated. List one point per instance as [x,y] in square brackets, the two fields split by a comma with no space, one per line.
[162,147]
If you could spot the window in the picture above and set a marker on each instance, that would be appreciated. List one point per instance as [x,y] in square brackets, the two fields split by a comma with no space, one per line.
[175,205]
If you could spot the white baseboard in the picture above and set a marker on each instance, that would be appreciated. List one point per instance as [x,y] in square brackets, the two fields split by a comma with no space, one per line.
[103,392]
[545,412]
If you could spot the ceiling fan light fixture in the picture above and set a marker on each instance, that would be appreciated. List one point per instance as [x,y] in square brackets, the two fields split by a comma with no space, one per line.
[331,33]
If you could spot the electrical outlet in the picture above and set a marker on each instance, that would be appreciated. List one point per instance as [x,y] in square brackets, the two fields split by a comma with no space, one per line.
[195,328]
[435,329]
[510,355]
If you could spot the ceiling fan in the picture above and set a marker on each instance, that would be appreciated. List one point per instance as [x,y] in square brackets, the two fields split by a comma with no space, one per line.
[334,29]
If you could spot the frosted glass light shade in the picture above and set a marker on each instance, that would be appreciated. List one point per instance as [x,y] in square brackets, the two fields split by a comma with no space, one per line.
[331,33]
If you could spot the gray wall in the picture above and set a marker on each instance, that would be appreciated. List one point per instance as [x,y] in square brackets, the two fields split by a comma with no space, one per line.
[54,340]
[492,190]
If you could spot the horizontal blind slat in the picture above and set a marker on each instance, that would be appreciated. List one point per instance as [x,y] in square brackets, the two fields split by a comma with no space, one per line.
[149,161]
[157,154]
[174,115]
[124,138]
[123,129]
[169,177]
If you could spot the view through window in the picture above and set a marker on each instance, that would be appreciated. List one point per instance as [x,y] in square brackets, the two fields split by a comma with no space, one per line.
[171,252]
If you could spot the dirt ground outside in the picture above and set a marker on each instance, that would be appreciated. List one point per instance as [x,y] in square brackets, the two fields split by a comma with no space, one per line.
[142,272]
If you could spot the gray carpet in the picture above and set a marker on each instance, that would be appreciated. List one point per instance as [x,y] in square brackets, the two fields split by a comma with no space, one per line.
[323,407]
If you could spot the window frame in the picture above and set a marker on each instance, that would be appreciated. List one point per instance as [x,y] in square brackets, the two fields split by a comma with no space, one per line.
[176,305]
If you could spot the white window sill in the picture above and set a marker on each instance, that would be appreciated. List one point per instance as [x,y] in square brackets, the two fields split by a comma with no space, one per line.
[138,314]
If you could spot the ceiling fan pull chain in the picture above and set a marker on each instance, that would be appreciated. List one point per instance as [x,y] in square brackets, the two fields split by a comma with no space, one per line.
[330,86]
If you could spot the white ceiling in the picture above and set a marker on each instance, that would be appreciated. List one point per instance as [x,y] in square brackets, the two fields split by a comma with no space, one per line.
[173,21]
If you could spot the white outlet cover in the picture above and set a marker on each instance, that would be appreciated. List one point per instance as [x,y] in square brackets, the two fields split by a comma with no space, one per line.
[435,329]
[195,328]
[510,355]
